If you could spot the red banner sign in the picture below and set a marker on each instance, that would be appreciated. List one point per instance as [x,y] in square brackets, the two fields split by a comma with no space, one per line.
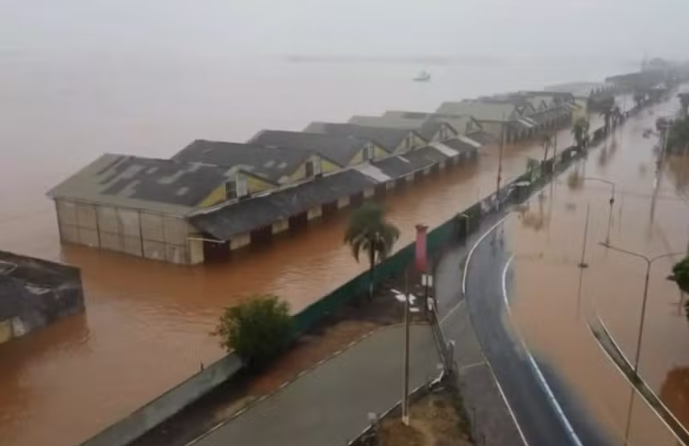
[421,260]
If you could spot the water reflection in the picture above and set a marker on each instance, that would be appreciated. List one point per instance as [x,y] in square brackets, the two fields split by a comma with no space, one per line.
[675,393]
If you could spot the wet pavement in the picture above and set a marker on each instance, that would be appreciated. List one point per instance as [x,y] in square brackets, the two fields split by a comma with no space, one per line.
[330,405]
[551,297]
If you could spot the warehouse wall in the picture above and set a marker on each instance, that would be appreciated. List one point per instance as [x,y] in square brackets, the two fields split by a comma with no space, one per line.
[143,234]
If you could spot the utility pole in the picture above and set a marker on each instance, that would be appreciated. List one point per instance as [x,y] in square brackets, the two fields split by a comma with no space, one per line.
[405,395]
[502,147]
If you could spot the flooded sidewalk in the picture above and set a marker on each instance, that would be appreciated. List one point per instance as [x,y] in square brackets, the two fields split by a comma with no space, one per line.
[552,296]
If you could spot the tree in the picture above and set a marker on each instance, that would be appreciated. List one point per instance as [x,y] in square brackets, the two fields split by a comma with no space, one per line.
[678,137]
[368,231]
[680,275]
[547,143]
[607,115]
[684,102]
[258,330]
[580,131]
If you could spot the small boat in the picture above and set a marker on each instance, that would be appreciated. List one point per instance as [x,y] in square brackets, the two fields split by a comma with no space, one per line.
[423,76]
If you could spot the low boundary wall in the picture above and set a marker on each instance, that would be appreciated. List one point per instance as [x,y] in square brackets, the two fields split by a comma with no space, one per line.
[457,228]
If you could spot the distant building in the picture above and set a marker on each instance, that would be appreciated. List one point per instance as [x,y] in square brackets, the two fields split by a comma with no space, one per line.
[587,95]
[35,293]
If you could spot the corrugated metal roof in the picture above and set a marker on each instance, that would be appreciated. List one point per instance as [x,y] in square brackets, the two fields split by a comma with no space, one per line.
[337,148]
[388,138]
[269,163]
[143,183]
[395,166]
[254,213]
[463,145]
[481,111]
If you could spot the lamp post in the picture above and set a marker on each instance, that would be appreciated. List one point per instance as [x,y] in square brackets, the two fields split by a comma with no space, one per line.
[612,201]
[649,262]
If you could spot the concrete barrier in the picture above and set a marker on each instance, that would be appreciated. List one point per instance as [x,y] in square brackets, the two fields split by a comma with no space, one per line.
[166,405]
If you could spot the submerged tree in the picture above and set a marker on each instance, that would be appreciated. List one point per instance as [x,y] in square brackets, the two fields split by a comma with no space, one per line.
[684,102]
[678,136]
[370,232]
[680,275]
[580,131]
[608,115]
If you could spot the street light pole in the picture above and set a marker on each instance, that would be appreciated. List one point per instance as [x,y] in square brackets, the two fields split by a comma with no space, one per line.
[649,262]
[405,395]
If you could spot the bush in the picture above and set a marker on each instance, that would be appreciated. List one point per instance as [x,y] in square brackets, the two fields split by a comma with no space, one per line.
[258,330]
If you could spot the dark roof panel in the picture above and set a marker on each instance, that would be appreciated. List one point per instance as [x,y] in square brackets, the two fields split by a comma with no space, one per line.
[388,138]
[395,166]
[460,146]
[160,185]
[254,213]
[425,156]
[266,162]
[337,148]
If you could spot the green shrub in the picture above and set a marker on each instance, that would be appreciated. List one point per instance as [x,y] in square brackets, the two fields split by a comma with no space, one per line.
[258,330]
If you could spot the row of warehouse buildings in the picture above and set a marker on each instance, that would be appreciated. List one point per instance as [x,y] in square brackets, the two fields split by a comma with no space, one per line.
[213,197]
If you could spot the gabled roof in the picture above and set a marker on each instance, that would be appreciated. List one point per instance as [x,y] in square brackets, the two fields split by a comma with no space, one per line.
[463,145]
[559,97]
[165,186]
[269,163]
[386,137]
[457,122]
[480,110]
[427,128]
[337,148]
[581,89]
[253,213]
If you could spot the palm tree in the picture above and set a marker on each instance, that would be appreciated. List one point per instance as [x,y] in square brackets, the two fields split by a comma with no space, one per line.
[580,131]
[368,231]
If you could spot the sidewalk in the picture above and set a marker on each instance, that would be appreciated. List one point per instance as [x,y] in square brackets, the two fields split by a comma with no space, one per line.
[330,404]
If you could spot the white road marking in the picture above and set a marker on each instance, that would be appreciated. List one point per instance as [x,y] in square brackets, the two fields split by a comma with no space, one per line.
[473,248]
[490,367]
[556,405]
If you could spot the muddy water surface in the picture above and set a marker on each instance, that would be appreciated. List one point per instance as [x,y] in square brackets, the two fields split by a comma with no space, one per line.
[554,298]
[146,325]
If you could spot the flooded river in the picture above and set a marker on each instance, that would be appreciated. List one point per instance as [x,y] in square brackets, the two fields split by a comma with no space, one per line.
[146,324]
[553,298]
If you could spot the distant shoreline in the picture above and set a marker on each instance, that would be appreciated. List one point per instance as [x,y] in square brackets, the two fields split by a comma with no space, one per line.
[457,60]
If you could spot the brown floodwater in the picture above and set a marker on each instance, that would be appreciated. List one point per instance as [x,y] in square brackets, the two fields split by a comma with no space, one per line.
[551,304]
[147,324]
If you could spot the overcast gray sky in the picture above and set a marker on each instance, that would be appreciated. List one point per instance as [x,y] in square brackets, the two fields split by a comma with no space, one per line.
[625,29]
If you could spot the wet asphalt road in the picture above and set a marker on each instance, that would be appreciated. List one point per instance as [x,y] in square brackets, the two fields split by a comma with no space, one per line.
[536,414]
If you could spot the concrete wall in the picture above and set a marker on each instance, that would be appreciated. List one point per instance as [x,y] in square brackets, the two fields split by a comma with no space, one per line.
[168,404]
[139,233]
[35,293]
